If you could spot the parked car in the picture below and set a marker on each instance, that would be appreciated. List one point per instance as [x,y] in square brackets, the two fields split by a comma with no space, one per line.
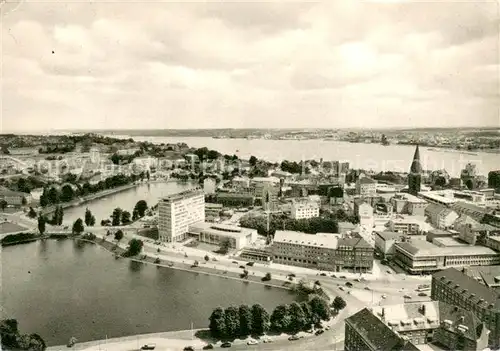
[422,294]
[189,348]
[342,277]
[250,264]
[384,296]
[407,296]
[266,340]
[208,347]
[293,338]
[323,274]
[242,267]
[319,332]
[327,327]
[348,284]
[225,345]
[148,347]
[367,288]
[341,288]
[252,342]
[235,262]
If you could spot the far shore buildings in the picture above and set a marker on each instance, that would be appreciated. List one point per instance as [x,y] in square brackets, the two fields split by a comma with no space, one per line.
[328,252]
[14,198]
[415,326]
[177,212]
[469,290]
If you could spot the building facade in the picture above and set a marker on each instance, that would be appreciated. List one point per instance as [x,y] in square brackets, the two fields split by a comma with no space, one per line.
[215,234]
[415,176]
[366,187]
[177,212]
[304,209]
[406,326]
[454,287]
[323,252]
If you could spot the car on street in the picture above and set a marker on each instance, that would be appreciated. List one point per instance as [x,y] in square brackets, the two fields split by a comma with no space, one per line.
[208,347]
[189,348]
[341,288]
[266,340]
[225,345]
[367,288]
[242,267]
[319,332]
[422,294]
[293,338]
[235,262]
[323,274]
[357,280]
[384,297]
[348,284]
[388,272]
[250,264]
[252,342]
[407,296]
[327,328]
[148,347]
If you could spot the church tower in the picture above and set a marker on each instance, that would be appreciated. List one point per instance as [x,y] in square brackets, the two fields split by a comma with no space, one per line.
[415,176]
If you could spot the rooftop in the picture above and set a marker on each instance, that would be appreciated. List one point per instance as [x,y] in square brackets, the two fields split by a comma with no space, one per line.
[477,292]
[316,240]
[437,196]
[220,229]
[386,235]
[183,194]
[421,248]
[366,180]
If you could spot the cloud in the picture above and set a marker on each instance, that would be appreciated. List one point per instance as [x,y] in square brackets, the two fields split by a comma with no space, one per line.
[233,64]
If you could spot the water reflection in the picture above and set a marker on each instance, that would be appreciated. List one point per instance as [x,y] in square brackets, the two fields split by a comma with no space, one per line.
[135,266]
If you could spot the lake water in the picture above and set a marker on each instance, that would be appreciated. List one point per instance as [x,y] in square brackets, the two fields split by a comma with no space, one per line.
[61,289]
[361,156]
[103,208]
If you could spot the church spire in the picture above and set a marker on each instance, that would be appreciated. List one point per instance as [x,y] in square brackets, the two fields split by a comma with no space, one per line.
[416,167]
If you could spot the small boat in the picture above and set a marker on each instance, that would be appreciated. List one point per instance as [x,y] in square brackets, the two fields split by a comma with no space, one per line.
[237,150]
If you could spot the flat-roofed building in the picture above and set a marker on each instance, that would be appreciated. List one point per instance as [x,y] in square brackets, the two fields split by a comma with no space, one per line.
[453,286]
[406,225]
[406,203]
[320,251]
[384,242]
[302,209]
[438,197]
[213,210]
[440,217]
[366,187]
[177,212]
[216,233]
[420,256]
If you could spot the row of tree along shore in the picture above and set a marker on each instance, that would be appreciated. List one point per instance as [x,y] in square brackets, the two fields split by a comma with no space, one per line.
[236,322]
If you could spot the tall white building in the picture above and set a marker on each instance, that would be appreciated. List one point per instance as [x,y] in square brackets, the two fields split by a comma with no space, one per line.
[177,212]
[209,186]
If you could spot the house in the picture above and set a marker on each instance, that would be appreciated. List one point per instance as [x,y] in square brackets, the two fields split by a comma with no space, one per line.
[440,217]
[15,198]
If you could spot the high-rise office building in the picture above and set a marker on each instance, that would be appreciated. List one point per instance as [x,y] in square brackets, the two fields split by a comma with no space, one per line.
[177,212]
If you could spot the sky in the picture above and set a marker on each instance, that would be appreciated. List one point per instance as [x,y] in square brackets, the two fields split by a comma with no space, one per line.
[334,64]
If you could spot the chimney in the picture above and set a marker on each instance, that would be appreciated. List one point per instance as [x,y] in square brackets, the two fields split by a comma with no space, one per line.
[455,309]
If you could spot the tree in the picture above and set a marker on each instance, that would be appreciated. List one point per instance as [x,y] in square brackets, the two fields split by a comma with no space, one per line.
[78,227]
[32,213]
[135,215]
[148,175]
[53,196]
[44,198]
[67,193]
[141,206]
[24,201]
[88,218]
[338,304]
[32,342]
[125,217]
[41,224]
[225,245]
[3,204]
[60,216]
[9,333]
[306,309]
[207,258]
[134,247]
[217,324]
[245,314]
[118,235]
[281,319]
[232,322]
[320,308]
[260,320]
[253,161]
[116,217]
[298,320]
